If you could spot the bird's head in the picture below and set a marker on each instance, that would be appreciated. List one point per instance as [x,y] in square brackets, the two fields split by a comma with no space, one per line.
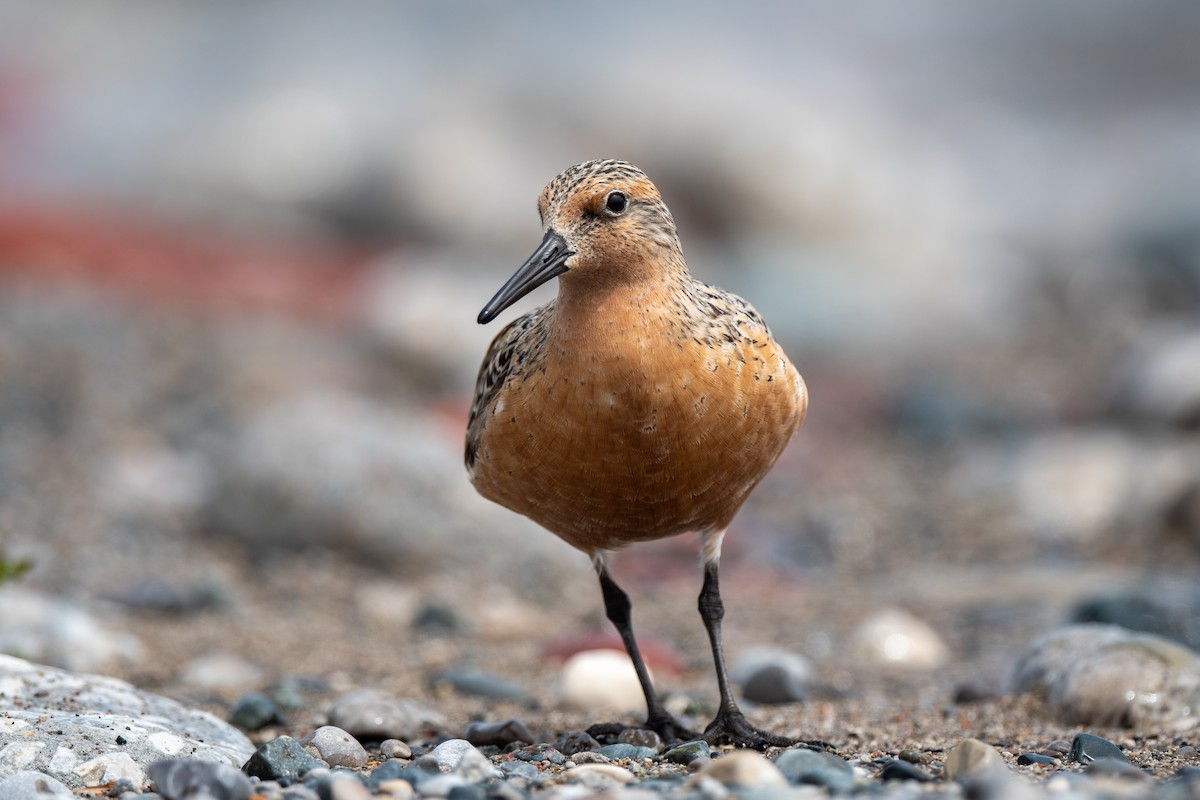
[604,222]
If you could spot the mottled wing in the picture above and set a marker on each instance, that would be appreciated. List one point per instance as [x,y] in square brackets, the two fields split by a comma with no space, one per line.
[505,357]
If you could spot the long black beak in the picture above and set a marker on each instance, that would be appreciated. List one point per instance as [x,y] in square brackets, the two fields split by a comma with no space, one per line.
[548,261]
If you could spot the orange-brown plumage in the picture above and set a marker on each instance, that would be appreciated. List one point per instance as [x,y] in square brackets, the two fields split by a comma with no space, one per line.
[641,403]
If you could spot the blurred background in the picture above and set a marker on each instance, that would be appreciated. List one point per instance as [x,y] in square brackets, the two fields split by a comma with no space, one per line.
[242,247]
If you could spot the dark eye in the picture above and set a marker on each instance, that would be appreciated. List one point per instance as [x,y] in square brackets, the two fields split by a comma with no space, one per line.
[615,202]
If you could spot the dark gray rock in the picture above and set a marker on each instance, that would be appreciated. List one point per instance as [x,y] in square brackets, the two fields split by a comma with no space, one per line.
[574,742]
[818,768]
[1086,748]
[254,711]
[897,770]
[641,737]
[184,779]
[479,683]
[283,759]
[687,752]
[1170,612]
[498,734]
[1027,759]
[336,747]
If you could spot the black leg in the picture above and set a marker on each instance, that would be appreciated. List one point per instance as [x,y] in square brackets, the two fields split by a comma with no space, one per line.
[618,608]
[730,725]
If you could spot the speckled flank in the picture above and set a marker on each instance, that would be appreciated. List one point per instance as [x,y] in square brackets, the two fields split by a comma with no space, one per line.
[641,403]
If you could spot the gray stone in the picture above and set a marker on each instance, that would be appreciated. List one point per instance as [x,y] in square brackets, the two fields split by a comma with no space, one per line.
[499,734]
[336,747]
[450,752]
[897,770]
[479,683]
[394,748]
[1105,675]
[186,778]
[254,711]
[342,786]
[1086,748]
[769,675]
[632,752]
[281,759]
[30,785]
[812,767]
[972,758]
[1035,759]
[540,753]
[687,752]
[368,714]
[1169,611]
[475,767]
[114,730]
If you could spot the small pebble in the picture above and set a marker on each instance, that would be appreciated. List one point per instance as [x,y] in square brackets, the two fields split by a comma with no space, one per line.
[1058,749]
[1116,768]
[186,777]
[915,757]
[972,758]
[499,734]
[439,620]
[740,768]
[475,767]
[371,715]
[896,770]
[1086,748]
[440,785]
[336,747]
[769,675]
[602,679]
[587,773]
[575,742]
[469,792]
[1187,751]
[394,748]
[338,787]
[1027,759]
[641,737]
[619,751]
[687,752]
[540,753]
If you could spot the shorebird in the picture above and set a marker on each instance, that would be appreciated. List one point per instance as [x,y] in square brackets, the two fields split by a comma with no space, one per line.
[640,403]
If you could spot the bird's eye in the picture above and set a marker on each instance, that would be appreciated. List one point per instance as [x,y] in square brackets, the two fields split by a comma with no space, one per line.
[615,202]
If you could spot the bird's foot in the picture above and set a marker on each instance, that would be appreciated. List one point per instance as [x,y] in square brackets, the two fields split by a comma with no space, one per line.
[669,729]
[731,727]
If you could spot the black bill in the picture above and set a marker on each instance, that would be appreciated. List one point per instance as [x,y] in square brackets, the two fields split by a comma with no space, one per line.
[548,261]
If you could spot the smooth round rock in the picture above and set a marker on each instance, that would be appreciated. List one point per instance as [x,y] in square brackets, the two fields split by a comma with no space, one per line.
[769,675]
[896,638]
[480,683]
[972,758]
[340,786]
[818,768]
[336,747]
[540,754]
[597,774]
[743,769]
[602,680]
[394,748]
[1106,675]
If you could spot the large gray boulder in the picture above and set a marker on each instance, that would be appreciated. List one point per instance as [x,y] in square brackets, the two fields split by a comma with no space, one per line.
[87,730]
